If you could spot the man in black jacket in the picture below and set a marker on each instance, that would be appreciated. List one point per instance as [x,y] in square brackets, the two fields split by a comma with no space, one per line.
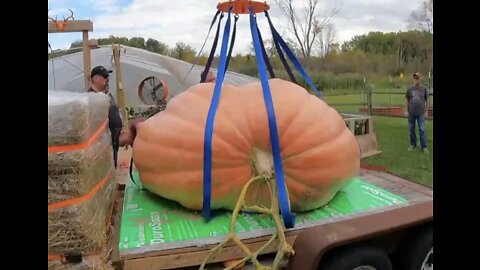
[99,79]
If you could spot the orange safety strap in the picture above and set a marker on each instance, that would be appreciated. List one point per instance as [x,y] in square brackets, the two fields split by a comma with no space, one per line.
[75,147]
[81,199]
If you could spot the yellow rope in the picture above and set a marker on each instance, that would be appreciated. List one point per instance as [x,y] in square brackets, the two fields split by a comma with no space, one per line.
[284,248]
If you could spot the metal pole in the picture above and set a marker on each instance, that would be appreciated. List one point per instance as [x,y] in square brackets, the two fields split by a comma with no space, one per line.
[87,59]
[370,109]
[390,90]
[364,92]
[429,80]
[120,92]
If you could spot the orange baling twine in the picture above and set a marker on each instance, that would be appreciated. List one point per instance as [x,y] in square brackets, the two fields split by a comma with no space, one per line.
[80,199]
[92,192]
[86,197]
[75,147]
[81,146]
[54,257]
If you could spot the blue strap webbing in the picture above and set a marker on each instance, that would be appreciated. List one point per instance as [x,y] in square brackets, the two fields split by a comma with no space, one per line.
[280,53]
[292,57]
[183,80]
[232,42]
[265,55]
[201,49]
[212,51]
[207,145]
[288,218]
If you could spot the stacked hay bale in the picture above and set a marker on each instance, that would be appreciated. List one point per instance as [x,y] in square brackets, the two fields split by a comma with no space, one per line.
[80,176]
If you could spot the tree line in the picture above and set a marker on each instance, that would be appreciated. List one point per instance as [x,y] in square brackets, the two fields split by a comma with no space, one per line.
[313,41]
[375,53]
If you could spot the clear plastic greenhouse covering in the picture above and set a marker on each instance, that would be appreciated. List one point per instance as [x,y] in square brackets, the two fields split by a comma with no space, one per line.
[65,73]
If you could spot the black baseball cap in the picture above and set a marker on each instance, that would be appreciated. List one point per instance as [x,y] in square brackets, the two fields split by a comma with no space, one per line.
[100,70]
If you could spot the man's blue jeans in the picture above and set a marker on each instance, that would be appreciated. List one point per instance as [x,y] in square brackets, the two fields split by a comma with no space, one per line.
[412,119]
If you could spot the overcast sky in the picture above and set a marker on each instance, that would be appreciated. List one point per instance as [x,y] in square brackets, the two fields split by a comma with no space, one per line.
[171,21]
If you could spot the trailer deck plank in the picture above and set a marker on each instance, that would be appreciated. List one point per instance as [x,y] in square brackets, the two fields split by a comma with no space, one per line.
[193,253]
[185,259]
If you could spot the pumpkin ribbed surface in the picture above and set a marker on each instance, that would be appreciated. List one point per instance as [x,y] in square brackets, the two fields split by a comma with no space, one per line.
[320,154]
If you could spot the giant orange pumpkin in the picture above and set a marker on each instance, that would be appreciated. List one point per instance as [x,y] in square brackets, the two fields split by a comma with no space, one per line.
[320,154]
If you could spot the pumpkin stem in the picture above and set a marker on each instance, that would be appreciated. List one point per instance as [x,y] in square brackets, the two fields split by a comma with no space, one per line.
[262,168]
[262,163]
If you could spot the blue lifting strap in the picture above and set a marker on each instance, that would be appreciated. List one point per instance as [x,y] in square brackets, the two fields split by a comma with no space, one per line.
[212,51]
[288,218]
[265,55]
[280,54]
[207,145]
[292,57]
[232,41]
[201,49]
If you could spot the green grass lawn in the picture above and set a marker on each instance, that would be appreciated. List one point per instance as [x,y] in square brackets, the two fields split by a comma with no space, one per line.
[393,139]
